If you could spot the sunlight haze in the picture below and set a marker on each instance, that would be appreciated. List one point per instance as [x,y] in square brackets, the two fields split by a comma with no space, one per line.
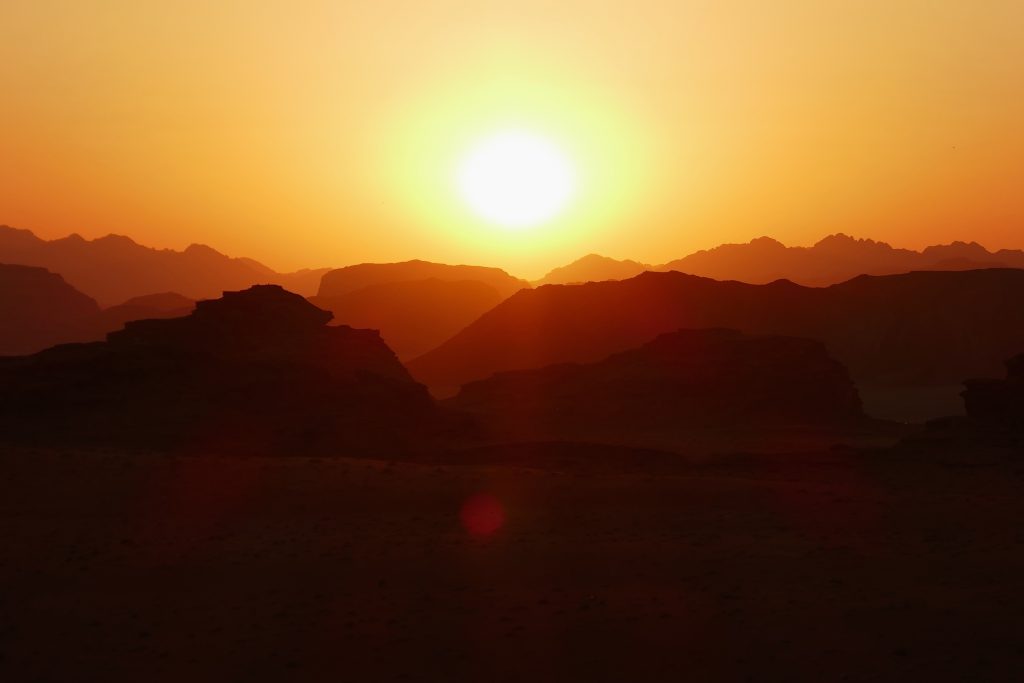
[323,133]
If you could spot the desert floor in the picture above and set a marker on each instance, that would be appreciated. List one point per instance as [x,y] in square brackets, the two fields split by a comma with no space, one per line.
[836,566]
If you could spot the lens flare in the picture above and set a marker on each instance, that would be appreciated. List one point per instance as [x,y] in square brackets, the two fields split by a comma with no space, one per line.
[482,514]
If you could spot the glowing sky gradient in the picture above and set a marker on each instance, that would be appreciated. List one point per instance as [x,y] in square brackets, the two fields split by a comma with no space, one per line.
[325,133]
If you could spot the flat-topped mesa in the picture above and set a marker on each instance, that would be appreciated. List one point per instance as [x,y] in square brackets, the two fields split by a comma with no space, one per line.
[263,309]
[266,323]
[256,371]
[351,278]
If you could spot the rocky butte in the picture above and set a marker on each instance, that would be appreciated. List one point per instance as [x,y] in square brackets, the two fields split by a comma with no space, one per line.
[257,370]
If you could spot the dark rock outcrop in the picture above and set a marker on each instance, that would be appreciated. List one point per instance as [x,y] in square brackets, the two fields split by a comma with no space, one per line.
[998,404]
[684,380]
[39,309]
[255,371]
[991,430]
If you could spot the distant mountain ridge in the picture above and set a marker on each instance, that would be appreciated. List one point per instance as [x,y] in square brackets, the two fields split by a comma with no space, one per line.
[594,268]
[920,329]
[833,259]
[115,268]
[351,278]
[38,309]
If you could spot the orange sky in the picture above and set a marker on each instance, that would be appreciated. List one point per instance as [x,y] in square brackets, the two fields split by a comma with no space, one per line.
[324,133]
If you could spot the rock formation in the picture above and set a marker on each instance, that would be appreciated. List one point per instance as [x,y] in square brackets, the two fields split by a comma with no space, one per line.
[258,370]
[165,305]
[992,428]
[998,404]
[684,380]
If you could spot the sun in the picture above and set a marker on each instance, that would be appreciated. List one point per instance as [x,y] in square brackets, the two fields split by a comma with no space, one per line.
[516,179]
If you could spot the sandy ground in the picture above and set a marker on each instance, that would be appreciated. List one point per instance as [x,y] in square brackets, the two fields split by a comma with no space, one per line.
[836,567]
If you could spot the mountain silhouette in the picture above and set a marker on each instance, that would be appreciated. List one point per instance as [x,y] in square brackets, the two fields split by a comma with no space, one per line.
[39,309]
[834,259]
[412,316]
[680,381]
[345,280]
[164,305]
[257,370]
[911,330]
[593,268]
[114,268]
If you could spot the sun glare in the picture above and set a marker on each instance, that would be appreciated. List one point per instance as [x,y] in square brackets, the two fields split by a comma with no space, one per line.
[516,179]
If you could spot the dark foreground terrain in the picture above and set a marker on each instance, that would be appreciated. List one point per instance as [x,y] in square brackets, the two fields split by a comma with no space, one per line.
[835,566]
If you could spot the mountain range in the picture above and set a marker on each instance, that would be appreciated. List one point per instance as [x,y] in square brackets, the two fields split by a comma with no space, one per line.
[39,309]
[832,260]
[916,331]
[115,268]
[835,259]
[923,329]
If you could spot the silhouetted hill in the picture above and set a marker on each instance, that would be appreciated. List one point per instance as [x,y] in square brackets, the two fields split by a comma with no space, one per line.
[349,279]
[39,309]
[415,316]
[834,259]
[916,329]
[255,371]
[593,268]
[114,268]
[681,381]
[165,305]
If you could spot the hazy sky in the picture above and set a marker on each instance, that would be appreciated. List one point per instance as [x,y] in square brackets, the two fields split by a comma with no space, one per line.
[326,133]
